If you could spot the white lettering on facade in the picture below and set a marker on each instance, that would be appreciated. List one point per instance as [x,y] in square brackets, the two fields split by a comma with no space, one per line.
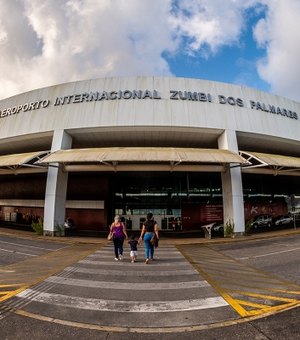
[24,107]
[190,96]
[231,101]
[273,109]
[107,95]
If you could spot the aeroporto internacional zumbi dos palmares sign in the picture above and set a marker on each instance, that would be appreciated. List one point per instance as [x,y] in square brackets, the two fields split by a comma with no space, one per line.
[148,94]
[191,151]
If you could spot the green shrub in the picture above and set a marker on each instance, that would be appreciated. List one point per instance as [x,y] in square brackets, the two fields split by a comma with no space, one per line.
[38,226]
[248,226]
[229,229]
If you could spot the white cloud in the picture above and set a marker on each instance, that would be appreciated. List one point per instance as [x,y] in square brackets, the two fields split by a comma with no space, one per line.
[210,25]
[278,32]
[59,40]
[45,42]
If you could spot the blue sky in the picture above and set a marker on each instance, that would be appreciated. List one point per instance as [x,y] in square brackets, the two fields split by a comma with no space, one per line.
[254,43]
[234,64]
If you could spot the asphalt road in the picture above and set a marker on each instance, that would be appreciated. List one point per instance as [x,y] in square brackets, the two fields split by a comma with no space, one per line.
[16,249]
[280,256]
[62,290]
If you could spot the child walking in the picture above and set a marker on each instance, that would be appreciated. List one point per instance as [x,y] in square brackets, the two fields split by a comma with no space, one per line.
[133,242]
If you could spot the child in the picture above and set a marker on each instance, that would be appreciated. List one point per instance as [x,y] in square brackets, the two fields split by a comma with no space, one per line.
[133,248]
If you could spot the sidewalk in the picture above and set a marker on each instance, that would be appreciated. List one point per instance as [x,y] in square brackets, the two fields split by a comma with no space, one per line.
[163,240]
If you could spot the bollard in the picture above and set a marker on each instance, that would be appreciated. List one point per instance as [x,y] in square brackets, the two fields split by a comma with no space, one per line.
[207,230]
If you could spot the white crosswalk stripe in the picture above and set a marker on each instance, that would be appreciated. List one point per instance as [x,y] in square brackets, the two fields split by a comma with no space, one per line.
[140,272]
[99,284]
[124,285]
[127,264]
[126,306]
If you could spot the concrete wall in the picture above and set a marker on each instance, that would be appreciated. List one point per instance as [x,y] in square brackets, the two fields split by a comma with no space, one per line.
[164,112]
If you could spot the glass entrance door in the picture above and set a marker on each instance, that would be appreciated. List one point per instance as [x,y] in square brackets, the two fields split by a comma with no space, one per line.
[135,195]
[165,222]
[175,199]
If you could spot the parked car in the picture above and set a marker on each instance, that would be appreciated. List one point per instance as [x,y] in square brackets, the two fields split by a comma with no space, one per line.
[218,227]
[284,219]
[261,221]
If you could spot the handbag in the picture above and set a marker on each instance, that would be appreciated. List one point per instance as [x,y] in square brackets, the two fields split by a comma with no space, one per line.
[110,236]
[154,241]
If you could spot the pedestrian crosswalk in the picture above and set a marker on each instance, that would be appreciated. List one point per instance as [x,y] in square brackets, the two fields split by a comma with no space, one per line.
[184,288]
[97,290]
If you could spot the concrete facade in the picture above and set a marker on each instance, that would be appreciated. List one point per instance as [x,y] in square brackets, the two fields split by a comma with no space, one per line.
[148,111]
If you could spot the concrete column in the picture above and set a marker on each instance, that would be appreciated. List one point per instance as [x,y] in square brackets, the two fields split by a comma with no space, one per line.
[56,187]
[232,186]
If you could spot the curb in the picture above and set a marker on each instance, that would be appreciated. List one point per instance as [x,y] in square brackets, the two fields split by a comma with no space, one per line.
[171,241]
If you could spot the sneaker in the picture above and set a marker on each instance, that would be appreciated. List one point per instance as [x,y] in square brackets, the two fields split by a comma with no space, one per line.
[147,261]
[116,259]
[132,261]
[120,257]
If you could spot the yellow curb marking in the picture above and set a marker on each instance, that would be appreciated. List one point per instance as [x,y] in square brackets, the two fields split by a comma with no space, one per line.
[286,291]
[240,310]
[7,294]
[64,257]
[252,304]
[236,303]
[263,296]
[175,329]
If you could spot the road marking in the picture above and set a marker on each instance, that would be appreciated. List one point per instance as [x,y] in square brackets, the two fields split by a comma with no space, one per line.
[245,292]
[38,268]
[139,272]
[7,291]
[163,263]
[141,330]
[286,291]
[263,296]
[268,254]
[142,249]
[285,244]
[16,252]
[126,254]
[198,307]
[123,306]
[124,285]
[28,246]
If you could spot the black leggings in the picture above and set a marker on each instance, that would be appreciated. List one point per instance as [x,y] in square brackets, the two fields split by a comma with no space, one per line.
[118,243]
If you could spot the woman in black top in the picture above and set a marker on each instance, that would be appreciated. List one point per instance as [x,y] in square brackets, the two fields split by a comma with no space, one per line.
[150,228]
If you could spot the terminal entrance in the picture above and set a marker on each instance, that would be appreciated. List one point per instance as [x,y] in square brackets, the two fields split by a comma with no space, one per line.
[165,222]
[177,201]
[161,194]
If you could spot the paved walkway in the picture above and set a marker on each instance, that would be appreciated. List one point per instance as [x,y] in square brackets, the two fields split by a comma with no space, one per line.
[166,240]
[100,292]
[81,285]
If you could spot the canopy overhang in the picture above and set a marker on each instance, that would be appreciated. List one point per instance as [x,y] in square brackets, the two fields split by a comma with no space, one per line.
[264,163]
[143,159]
[150,159]
[22,162]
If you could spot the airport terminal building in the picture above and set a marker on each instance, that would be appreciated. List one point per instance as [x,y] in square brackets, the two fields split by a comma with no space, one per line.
[190,151]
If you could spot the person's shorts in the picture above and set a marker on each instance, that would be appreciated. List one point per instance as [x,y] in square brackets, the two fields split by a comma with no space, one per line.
[133,253]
